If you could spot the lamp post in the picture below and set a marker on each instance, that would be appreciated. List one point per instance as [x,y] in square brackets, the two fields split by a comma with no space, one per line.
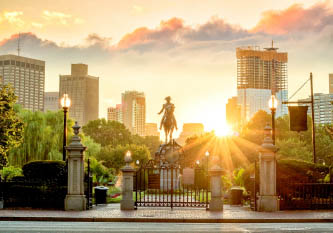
[65,103]
[207,158]
[273,105]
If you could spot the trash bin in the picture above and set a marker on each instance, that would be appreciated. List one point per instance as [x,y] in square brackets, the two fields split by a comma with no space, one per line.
[100,194]
[236,195]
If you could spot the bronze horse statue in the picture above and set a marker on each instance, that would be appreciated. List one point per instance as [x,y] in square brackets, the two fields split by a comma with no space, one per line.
[168,122]
[168,126]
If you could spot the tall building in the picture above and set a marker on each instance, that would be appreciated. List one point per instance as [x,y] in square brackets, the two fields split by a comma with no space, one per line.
[134,111]
[27,77]
[115,114]
[330,77]
[261,73]
[83,90]
[151,130]
[189,130]
[233,112]
[323,108]
[51,101]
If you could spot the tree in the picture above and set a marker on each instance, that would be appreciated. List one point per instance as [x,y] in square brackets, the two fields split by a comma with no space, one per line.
[254,129]
[114,157]
[107,132]
[152,142]
[43,137]
[11,127]
[93,148]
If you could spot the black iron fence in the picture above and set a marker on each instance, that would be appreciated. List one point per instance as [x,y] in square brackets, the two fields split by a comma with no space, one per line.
[299,195]
[171,187]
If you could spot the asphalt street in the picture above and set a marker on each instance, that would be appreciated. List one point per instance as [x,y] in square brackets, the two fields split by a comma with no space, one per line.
[23,226]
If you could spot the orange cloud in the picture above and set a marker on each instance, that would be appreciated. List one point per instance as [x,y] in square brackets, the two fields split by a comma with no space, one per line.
[295,18]
[165,31]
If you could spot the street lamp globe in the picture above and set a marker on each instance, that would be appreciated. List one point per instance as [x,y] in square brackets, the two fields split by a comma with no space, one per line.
[207,153]
[197,162]
[65,101]
[272,103]
[128,157]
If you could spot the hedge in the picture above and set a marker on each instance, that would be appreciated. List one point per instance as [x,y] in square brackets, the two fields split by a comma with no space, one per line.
[46,171]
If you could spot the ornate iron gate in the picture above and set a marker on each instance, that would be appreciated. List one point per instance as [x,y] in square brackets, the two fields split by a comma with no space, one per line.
[171,186]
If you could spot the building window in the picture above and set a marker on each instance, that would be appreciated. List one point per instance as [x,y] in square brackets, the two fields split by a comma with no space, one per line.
[6,62]
[12,62]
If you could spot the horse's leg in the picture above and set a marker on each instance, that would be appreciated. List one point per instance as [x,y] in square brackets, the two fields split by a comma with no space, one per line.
[170,132]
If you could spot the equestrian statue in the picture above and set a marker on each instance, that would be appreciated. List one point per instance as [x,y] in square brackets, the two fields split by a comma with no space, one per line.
[168,121]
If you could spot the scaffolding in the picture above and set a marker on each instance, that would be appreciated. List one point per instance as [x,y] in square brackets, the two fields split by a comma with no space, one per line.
[261,69]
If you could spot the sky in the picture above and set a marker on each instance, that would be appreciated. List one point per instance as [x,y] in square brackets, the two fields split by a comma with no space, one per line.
[185,49]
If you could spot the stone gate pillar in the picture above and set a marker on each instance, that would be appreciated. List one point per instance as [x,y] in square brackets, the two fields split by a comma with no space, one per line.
[268,200]
[127,202]
[216,202]
[75,198]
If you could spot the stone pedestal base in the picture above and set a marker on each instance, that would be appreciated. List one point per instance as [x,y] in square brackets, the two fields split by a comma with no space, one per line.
[127,205]
[216,204]
[268,203]
[75,202]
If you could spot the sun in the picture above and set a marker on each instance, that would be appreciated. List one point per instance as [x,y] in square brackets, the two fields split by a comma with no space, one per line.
[223,130]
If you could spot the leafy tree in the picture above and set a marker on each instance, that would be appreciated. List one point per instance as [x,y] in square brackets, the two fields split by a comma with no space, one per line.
[43,137]
[114,157]
[93,148]
[254,129]
[11,127]
[152,142]
[107,132]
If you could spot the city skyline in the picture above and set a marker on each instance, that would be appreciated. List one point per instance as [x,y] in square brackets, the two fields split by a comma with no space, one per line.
[168,50]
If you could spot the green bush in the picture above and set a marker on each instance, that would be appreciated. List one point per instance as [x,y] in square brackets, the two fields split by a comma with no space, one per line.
[46,171]
[7,173]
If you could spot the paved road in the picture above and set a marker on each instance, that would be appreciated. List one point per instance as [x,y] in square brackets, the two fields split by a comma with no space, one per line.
[13,226]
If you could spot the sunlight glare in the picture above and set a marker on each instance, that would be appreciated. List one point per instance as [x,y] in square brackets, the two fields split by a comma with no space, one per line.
[223,130]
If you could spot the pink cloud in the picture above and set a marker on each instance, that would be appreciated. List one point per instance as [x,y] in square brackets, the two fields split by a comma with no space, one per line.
[295,18]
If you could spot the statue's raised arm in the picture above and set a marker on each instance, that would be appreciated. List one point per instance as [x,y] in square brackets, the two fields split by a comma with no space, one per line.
[168,120]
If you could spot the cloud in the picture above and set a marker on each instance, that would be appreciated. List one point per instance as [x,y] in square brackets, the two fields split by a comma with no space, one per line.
[95,39]
[57,16]
[173,33]
[13,17]
[36,25]
[216,29]
[166,32]
[295,19]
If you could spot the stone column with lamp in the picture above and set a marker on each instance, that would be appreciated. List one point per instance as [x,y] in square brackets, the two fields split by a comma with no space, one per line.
[75,198]
[216,202]
[268,200]
[127,202]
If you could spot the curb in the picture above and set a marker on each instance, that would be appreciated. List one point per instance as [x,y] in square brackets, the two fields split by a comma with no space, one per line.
[163,220]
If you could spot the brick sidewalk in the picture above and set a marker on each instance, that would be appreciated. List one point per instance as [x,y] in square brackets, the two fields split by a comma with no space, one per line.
[112,213]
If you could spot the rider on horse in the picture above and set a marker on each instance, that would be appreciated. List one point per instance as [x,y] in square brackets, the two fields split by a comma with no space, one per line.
[168,108]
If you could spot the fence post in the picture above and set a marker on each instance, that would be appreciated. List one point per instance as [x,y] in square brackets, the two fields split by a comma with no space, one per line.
[127,202]
[268,199]
[75,198]
[216,201]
